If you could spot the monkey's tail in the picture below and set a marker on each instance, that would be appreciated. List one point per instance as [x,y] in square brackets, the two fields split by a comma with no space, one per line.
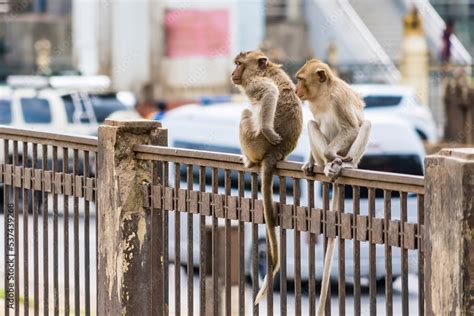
[327,262]
[267,170]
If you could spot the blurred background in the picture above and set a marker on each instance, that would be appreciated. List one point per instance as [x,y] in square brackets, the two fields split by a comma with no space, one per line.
[144,58]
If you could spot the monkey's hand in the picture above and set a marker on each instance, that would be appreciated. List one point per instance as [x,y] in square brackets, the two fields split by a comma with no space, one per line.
[308,169]
[246,114]
[272,136]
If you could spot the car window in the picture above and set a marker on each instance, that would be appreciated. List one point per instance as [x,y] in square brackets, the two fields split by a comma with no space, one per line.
[36,110]
[5,112]
[104,105]
[379,101]
[71,110]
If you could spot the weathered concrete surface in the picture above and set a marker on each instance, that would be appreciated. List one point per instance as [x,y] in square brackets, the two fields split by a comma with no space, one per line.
[124,226]
[449,228]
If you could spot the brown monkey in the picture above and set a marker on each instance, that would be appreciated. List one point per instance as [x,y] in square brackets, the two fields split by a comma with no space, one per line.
[269,130]
[338,134]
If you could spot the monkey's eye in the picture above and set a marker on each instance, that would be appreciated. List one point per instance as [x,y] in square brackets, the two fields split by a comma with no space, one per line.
[238,63]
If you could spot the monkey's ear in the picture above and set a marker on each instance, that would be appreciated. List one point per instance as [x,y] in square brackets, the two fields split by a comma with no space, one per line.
[322,75]
[262,63]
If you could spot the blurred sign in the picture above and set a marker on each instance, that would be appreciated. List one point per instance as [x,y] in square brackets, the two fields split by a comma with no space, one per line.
[191,32]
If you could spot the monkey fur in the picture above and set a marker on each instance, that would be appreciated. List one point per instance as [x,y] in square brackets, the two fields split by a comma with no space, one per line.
[269,130]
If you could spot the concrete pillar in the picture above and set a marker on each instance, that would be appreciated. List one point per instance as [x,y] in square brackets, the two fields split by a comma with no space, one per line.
[124,275]
[449,231]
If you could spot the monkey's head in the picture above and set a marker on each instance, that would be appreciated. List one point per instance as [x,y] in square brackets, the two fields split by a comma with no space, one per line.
[248,65]
[312,79]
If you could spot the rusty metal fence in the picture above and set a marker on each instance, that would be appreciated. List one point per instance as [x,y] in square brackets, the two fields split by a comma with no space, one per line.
[378,223]
[208,218]
[48,237]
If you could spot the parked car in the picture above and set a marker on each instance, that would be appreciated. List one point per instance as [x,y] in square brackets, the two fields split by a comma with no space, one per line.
[66,105]
[393,146]
[400,101]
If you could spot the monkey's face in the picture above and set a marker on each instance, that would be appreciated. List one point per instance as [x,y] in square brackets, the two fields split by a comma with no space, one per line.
[247,65]
[312,80]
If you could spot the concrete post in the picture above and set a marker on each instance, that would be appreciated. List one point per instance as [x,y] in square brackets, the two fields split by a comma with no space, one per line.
[449,231]
[124,226]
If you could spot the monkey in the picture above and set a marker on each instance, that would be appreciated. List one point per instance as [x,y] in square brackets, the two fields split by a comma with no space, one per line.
[268,131]
[338,133]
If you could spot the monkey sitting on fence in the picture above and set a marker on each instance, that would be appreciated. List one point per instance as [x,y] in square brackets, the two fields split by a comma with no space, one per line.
[338,133]
[269,130]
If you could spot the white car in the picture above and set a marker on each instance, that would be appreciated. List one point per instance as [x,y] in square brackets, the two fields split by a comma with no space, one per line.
[400,101]
[68,104]
[393,146]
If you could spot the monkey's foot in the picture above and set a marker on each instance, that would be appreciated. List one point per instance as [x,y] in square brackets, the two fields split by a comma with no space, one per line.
[272,137]
[308,169]
[247,162]
[333,169]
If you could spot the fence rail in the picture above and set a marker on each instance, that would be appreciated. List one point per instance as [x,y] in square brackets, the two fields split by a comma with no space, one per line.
[49,254]
[178,198]
[163,208]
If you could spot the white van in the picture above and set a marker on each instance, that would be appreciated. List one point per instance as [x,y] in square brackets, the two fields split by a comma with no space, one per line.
[393,146]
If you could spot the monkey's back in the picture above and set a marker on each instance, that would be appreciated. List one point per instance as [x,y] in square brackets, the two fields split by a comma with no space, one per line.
[289,113]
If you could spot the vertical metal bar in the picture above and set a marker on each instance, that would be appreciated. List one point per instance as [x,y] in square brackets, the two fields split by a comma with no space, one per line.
[215,262]
[166,245]
[55,237]
[97,210]
[311,253]
[421,255]
[372,256]
[283,293]
[325,240]
[227,268]
[202,247]
[387,196]
[356,250]
[297,244]
[404,252]
[26,295]
[157,242]
[341,252]
[241,188]
[87,241]
[254,188]
[190,180]
[5,219]
[45,237]
[75,171]
[34,196]
[177,241]
[66,234]
[15,232]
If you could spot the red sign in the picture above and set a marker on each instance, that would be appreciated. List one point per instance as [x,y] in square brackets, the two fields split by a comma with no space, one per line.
[192,32]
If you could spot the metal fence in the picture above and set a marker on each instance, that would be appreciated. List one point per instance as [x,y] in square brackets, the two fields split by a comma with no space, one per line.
[48,209]
[379,215]
[207,217]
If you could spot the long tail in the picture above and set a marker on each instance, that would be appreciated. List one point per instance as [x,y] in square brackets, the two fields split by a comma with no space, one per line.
[327,262]
[267,171]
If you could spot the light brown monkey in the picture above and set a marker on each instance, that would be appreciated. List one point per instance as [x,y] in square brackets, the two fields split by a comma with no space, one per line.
[338,134]
[269,130]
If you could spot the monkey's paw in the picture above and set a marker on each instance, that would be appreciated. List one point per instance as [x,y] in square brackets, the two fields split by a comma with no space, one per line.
[333,169]
[308,169]
[246,114]
[247,162]
[272,137]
